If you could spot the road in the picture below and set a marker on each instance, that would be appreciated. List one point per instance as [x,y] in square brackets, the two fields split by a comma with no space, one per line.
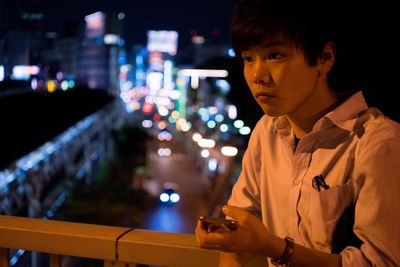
[178,168]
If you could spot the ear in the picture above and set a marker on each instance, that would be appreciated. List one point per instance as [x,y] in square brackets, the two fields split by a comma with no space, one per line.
[327,58]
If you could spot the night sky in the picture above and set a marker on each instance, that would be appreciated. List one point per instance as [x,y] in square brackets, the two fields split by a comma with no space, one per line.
[206,16]
[380,39]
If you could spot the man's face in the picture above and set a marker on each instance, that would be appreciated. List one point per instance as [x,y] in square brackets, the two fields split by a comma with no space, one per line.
[279,78]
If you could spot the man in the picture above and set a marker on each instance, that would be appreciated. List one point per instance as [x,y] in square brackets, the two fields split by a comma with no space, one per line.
[316,154]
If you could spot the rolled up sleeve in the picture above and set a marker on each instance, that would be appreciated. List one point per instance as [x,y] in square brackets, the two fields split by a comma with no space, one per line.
[377,214]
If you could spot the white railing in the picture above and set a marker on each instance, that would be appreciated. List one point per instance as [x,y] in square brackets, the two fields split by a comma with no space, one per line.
[116,246]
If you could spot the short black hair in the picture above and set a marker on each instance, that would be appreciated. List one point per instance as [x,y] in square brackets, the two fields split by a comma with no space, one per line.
[309,25]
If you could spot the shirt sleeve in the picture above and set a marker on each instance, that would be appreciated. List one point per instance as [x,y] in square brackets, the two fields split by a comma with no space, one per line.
[377,190]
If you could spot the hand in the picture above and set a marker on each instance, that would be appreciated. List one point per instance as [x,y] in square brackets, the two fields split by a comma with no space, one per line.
[250,237]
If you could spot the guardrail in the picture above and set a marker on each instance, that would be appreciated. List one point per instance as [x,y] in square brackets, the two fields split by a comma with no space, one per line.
[115,246]
[34,183]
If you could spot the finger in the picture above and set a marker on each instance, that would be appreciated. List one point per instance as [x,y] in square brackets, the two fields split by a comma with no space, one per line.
[234,212]
[214,240]
[198,227]
[207,240]
[200,234]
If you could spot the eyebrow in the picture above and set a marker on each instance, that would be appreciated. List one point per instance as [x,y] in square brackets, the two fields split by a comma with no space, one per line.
[275,43]
[271,43]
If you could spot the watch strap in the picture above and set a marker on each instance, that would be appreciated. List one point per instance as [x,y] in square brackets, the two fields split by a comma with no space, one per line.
[287,255]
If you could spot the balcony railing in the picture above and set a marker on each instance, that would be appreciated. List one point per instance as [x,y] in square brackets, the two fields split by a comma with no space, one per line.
[115,246]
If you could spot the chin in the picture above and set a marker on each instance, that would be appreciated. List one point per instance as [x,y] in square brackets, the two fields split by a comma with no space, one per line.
[271,112]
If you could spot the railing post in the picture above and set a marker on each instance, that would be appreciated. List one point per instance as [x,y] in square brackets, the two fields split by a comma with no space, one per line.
[34,259]
[4,257]
[55,260]
[118,264]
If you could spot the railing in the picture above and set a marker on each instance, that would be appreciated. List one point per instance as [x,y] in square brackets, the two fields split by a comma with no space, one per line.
[36,181]
[116,246]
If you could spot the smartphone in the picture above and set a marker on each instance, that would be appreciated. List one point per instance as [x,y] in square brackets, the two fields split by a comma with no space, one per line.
[212,224]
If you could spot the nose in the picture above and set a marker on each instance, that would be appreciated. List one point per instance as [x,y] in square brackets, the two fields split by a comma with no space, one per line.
[261,74]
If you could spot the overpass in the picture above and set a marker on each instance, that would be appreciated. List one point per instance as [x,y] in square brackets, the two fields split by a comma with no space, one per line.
[34,184]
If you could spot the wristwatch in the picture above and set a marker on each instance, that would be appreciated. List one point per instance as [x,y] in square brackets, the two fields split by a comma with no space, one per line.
[286,258]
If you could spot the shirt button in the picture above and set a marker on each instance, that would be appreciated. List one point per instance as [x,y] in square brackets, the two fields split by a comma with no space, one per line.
[297,181]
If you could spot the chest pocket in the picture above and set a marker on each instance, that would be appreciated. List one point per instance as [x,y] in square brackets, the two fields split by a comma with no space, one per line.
[326,207]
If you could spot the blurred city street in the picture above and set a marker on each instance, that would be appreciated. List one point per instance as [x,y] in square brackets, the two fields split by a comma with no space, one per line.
[179,169]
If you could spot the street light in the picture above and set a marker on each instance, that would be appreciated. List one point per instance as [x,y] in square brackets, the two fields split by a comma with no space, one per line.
[229,151]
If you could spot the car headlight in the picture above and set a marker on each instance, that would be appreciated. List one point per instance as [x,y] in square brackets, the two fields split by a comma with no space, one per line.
[164,197]
[174,197]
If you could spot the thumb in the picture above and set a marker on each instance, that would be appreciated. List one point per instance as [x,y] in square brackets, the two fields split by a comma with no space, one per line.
[233,212]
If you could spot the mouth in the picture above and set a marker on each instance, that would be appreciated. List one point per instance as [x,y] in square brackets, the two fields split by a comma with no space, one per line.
[264,97]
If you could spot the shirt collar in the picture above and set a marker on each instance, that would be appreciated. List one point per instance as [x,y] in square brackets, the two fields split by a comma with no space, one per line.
[346,114]
[343,116]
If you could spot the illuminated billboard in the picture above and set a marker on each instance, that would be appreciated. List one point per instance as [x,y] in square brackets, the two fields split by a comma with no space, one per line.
[95,24]
[24,72]
[1,73]
[162,41]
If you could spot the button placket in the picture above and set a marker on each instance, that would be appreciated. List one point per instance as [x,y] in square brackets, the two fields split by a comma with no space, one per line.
[301,162]
[295,194]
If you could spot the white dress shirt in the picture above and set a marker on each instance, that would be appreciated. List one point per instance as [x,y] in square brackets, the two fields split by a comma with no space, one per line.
[357,150]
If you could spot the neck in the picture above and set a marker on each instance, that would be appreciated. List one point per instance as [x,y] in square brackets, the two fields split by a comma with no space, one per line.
[303,120]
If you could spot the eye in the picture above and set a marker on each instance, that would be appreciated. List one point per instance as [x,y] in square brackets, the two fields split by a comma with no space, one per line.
[247,59]
[275,56]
